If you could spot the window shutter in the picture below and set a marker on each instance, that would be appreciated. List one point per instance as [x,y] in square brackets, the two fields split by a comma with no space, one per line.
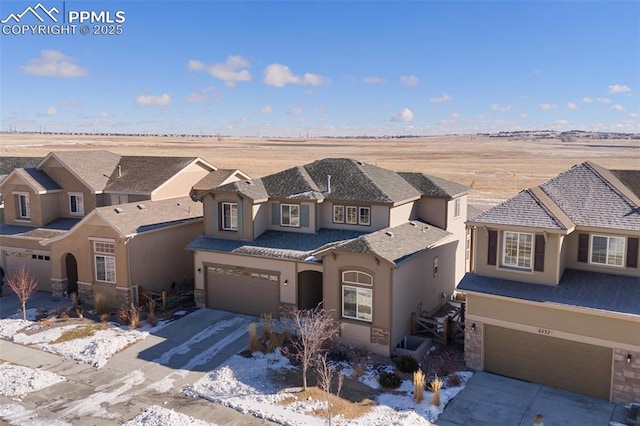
[538,261]
[632,252]
[216,217]
[583,248]
[304,216]
[275,214]
[492,251]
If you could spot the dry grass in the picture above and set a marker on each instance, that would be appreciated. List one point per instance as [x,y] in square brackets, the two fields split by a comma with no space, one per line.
[434,386]
[418,386]
[254,342]
[100,303]
[134,316]
[340,405]
[80,332]
[152,320]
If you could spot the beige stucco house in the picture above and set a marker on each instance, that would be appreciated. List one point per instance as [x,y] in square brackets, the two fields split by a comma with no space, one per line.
[370,244]
[44,205]
[554,296]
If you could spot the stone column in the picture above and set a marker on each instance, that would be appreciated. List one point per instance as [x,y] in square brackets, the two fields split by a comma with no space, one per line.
[473,344]
[626,376]
[59,287]
[123,297]
[85,293]
[200,298]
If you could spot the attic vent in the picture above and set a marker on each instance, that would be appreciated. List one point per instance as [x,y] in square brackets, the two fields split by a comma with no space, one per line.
[119,210]
[412,223]
[389,233]
[248,182]
[359,162]
[141,206]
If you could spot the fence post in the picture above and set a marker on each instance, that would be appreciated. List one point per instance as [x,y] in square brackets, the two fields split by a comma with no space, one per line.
[445,331]
[413,323]
[164,300]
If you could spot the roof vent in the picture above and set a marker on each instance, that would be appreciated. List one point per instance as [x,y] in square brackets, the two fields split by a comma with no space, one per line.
[119,210]
[248,182]
[119,170]
[412,223]
[328,184]
[141,206]
[389,233]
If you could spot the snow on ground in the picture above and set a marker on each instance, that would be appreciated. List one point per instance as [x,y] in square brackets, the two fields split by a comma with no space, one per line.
[159,416]
[16,380]
[242,383]
[18,415]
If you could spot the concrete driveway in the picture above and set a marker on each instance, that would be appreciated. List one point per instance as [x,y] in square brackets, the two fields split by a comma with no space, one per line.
[489,399]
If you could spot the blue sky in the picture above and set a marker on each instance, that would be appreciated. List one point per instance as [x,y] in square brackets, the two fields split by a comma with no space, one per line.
[322,68]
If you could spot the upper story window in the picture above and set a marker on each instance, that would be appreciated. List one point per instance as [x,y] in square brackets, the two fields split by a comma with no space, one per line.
[517,250]
[607,250]
[105,262]
[76,203]
[357,295]
[457,210]
[230,216]
[119,199]
[290,215]
[352,215]
[24,211]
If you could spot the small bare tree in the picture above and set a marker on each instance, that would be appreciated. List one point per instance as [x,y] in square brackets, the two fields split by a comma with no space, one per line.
[23,283]
[313,330]
[326,373]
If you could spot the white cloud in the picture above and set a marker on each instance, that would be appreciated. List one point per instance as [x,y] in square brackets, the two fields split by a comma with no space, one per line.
[409,80]
[633,114]
[561,122]
[455,115]
[279,75]
[524,115]
[374,80]
[546,107]
[295,111]
[618,88]
[230,72]
[603,100]
[105,114]
[404,116]
[267,109]
[51,111]
[501,108]
[204,95]
[53,63]
[572,105]
[587,100]
[617,107]
[151,100]
[444,98]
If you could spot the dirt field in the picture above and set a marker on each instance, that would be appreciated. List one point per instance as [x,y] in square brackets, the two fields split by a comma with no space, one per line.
[496,168]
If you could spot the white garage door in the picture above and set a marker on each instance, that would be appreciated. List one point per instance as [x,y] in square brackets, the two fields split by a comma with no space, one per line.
[38,263]
[248,291]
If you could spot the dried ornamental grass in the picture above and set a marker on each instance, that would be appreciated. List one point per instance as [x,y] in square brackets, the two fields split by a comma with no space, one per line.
[100,303]
[152,320]
[418,386]
[254,342]
[434,386]
[134,316]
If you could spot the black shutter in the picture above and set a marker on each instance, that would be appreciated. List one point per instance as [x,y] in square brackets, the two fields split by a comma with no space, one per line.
[492,251]
[538,260]
[632,252]
[583,248]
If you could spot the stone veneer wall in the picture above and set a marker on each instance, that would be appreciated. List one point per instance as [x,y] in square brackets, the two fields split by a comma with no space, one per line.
[85,293]
[473,344]
[285,310]
[59,287]
[123,297]
[626,377]
[380,336]
[200,297]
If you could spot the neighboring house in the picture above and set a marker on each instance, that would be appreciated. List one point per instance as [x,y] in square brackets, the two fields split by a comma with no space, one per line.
[7,165]
[371,244]
[554,296]
[47,200]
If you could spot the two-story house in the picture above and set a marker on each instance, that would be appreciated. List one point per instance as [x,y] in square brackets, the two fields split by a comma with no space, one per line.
[554,296]
[50,226]
[370,244]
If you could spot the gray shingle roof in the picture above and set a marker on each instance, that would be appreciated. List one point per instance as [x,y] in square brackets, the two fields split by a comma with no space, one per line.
[630,178]
[135,218]
[214,179]
[93,167]
[40,179]
[291,183]
[522,210]
[398,243]
[8,164]
[144,173]
[52,229]
[604,292]
[277,244]
[432,186]
[590,200]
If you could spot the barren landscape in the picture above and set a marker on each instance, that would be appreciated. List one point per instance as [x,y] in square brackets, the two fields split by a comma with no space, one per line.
[495,167]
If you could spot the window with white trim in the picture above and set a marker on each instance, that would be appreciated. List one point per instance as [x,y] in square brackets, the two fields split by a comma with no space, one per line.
[338,214]
[230,216]
[76,203]
[607,250]
[352,215]
[456,208]
[357,295]
[24,210]
[105,264]
[364,216]
[517,250]
[290,215]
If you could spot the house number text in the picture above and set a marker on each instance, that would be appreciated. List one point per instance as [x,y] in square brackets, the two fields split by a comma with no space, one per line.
[544,331]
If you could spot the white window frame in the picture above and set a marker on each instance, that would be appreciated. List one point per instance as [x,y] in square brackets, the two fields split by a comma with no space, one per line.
[101,250]
[23,201]
[338,214]
[79,205]
[351,212]
[362,285]
[368,216]
[294,220]
[608,254]
[457,208]
[517,265]
[230,226]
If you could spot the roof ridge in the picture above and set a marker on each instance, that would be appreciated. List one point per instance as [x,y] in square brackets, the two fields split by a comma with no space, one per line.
[543,199]
[613,182]
[359,165]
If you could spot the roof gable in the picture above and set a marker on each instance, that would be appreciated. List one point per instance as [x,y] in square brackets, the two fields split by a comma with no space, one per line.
[630,179]
[36,179]
[143,174]
[432,186]
[93,168]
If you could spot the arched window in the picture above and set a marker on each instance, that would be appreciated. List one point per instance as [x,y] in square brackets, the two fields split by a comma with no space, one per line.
[357,299]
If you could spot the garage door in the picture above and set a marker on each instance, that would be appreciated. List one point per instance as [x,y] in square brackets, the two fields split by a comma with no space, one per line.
[576,367]
[39,264]
[248,291]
